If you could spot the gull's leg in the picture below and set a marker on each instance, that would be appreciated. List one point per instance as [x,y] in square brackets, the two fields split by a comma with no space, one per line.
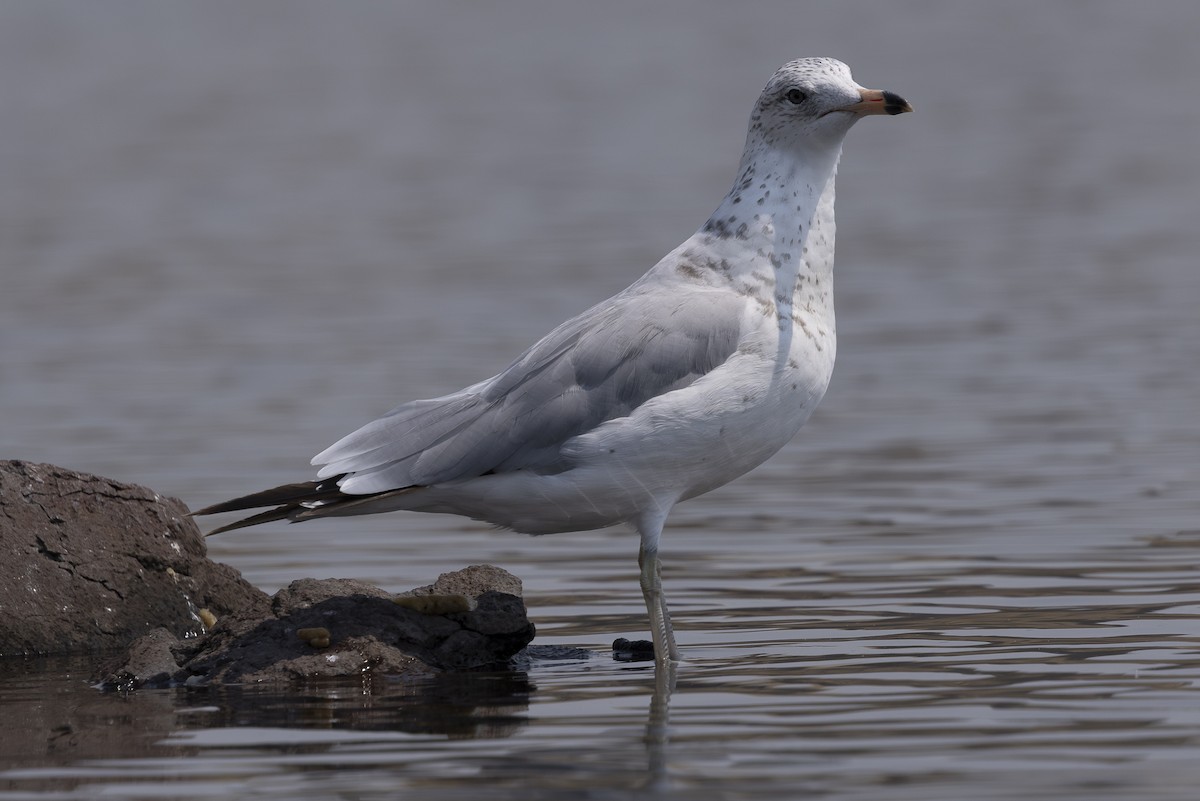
[661,632]
[656,606]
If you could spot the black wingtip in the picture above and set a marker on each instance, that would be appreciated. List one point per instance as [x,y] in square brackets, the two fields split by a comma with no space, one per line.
[297,502]
[304,491]
[288,500]
[271,515]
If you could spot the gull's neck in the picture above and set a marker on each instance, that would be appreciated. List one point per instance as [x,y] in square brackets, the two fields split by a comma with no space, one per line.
[772,237]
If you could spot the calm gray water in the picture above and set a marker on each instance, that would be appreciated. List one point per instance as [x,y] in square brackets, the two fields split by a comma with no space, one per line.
[231,233]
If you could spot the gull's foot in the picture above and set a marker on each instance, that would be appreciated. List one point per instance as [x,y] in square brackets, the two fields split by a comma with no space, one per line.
[633,650]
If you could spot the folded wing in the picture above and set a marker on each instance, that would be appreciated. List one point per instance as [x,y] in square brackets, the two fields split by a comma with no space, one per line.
[598,366]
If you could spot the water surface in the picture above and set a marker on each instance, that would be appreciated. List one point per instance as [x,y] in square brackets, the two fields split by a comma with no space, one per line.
[228,235]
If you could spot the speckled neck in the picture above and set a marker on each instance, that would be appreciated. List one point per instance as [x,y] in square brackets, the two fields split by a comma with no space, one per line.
[772,237]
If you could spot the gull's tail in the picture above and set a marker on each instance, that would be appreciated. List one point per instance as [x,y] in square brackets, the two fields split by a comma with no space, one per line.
[295,502]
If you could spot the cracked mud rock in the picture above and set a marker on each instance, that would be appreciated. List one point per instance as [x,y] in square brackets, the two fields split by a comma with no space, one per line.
[89,564]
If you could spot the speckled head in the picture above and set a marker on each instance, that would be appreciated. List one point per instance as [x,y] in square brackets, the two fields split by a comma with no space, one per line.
[814,101]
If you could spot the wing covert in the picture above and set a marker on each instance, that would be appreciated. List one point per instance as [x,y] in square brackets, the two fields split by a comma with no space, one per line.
[598,366]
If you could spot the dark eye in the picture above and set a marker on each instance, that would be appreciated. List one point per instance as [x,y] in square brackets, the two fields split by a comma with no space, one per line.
[796,96]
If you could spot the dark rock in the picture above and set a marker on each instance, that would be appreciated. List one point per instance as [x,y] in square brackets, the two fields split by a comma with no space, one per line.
[532,655]
[89,564]
[633,650]
[367,633]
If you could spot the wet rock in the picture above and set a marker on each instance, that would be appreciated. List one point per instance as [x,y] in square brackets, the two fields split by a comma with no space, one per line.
[89,564]
[338,628]
[632,650]
[151,661]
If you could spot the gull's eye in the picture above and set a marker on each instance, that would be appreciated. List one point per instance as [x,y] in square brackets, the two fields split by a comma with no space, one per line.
[796,96]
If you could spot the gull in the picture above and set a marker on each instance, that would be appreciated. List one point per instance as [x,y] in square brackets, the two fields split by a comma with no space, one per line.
[693,375]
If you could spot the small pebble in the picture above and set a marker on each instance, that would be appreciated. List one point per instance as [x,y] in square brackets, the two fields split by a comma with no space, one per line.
[316,637]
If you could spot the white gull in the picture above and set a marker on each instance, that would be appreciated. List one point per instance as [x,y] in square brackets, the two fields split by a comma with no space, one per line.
[701,370]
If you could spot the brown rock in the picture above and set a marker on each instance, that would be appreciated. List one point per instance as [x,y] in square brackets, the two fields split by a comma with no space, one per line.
[89,564]
[472,582]
[151,660]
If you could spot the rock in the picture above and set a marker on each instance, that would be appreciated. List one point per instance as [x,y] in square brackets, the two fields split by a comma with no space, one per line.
[472,582]
[366,632]
[632,650]
[89,564]
[151,661]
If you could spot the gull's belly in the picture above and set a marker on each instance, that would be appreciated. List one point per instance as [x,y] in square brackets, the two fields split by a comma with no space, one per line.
[672,448]
[766,416]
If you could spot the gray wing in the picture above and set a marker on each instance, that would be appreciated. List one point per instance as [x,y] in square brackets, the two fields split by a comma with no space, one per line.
[596,367]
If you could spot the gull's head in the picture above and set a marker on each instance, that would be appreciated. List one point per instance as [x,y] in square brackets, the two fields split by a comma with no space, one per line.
[813,102]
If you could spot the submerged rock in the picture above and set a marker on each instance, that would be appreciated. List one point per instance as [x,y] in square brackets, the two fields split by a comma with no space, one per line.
[338,628]
[89,564]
